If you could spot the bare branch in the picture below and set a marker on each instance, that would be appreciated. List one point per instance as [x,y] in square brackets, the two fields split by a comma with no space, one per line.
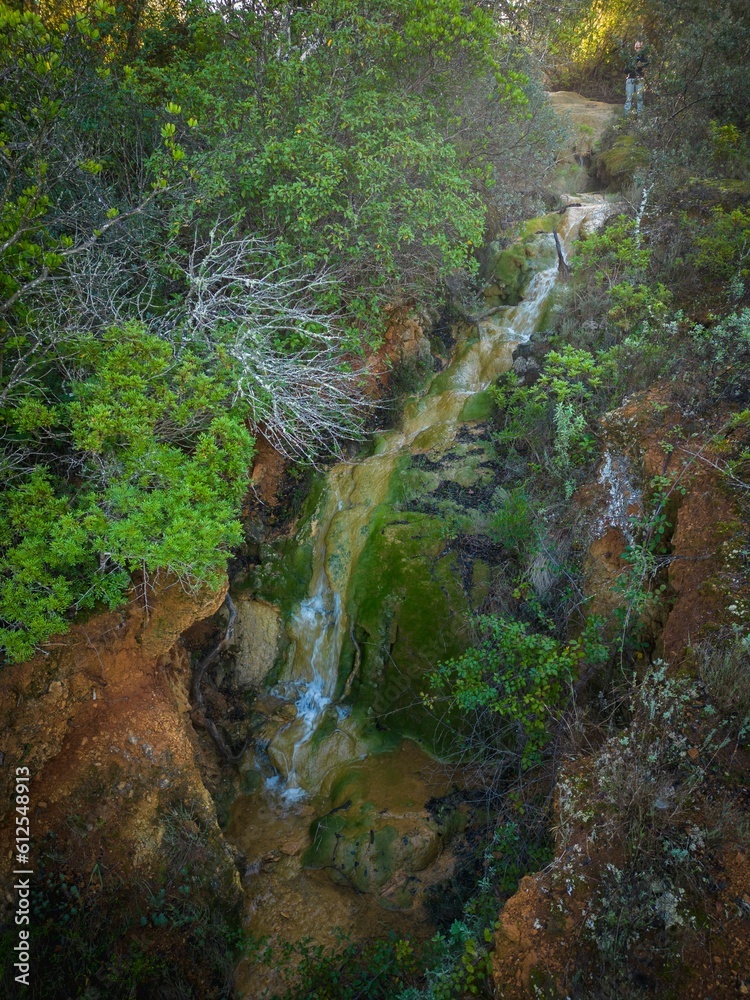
[295,367]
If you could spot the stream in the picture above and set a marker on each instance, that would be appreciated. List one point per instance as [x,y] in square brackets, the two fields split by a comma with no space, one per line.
[344,827]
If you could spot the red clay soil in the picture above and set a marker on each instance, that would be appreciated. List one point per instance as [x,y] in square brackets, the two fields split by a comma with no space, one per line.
[542,939]
[102,722]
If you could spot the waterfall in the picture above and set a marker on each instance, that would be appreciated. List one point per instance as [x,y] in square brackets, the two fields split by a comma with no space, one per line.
[354,490]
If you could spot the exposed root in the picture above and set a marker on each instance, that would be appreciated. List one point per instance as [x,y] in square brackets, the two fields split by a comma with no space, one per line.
[199,715]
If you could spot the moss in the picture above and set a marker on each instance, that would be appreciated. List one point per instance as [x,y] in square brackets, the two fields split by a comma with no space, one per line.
[283,576]
[550,309]
[480,406]
[413,482]
[407,597]
[508,274]
[435,438]
[481,582]
[509,269]
[442,382]
[542,223]
[324,730]
[377,826]
[617,166]
[350,848]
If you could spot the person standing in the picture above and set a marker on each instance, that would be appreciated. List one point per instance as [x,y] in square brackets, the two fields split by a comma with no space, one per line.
[635,67]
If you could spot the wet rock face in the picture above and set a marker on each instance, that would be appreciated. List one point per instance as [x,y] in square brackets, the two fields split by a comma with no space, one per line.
[614,500]
[414,584]
[389,558]
[363,849]
[394,549]
[378,833]
[257,632]
[508,270]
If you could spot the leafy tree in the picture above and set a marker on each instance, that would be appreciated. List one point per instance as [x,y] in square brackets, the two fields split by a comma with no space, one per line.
[336,132]
[66,193]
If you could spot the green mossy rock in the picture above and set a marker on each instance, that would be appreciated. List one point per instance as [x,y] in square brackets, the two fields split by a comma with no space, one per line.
[408,597]
[377,832]
[286,564]
[411,594]
[509,269]
[541,224]
[480,406]
[619,165]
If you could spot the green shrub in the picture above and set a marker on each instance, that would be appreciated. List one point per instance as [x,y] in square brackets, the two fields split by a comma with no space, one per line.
[514,521]
[553,419]
[159,457]
[722,249]
[517,677]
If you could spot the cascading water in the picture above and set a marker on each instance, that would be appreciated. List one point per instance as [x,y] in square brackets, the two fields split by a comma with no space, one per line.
[318,627]
[339,815]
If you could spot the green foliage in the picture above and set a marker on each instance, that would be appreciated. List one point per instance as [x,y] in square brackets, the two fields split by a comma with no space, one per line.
[696,54]
[514,854]
[513,523]
[48,565]
[163,454]
[383,968]
[729,149]
[330,136]
[721,249]
[333,138]
[459,962]
[466,967]
[645,553]
[366,183]
[517,675]
[73,146]
[717,357]
[554,417]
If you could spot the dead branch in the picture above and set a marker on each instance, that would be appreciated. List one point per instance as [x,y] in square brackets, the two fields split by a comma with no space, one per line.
[294,366]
